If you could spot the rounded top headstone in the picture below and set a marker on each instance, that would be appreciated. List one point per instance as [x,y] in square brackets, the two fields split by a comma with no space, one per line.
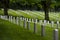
[56,29]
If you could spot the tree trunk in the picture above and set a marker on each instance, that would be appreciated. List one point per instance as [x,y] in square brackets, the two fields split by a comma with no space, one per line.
[5,11]
[46,6]
[6,6]
[47,15]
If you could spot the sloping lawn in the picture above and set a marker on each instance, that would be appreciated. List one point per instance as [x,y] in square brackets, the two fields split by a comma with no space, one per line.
[9,31]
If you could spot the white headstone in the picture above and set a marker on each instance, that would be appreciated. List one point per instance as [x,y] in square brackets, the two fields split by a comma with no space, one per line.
[6,17]
[40,21]
[55,34]
[14,20]
[52,23]
[43,30]
[20,18]
[57,24]
[24,24]
[11,18]
[28,25]
[24,18]
[3,17]
[17,20]
[44,21]
[36,20]
[48,22]
[35,28]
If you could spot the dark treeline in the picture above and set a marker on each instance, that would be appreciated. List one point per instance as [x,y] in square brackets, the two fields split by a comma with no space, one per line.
[36,6]
[27,5]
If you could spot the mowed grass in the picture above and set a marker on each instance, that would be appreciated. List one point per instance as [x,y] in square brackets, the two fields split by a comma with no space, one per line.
[9,31]
[49,31]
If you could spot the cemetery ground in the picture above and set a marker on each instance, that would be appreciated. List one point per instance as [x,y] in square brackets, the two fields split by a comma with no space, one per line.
[10,31]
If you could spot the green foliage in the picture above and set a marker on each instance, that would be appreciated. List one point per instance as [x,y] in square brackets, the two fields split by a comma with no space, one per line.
[34,2]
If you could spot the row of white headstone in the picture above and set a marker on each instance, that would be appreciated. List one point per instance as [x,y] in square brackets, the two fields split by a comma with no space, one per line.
[16,20]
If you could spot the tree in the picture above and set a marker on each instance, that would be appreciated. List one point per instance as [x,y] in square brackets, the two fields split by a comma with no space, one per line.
[46,5]
[5,6]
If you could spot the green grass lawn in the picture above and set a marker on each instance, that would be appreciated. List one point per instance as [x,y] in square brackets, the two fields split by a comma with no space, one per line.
[48,30]
[9,31]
